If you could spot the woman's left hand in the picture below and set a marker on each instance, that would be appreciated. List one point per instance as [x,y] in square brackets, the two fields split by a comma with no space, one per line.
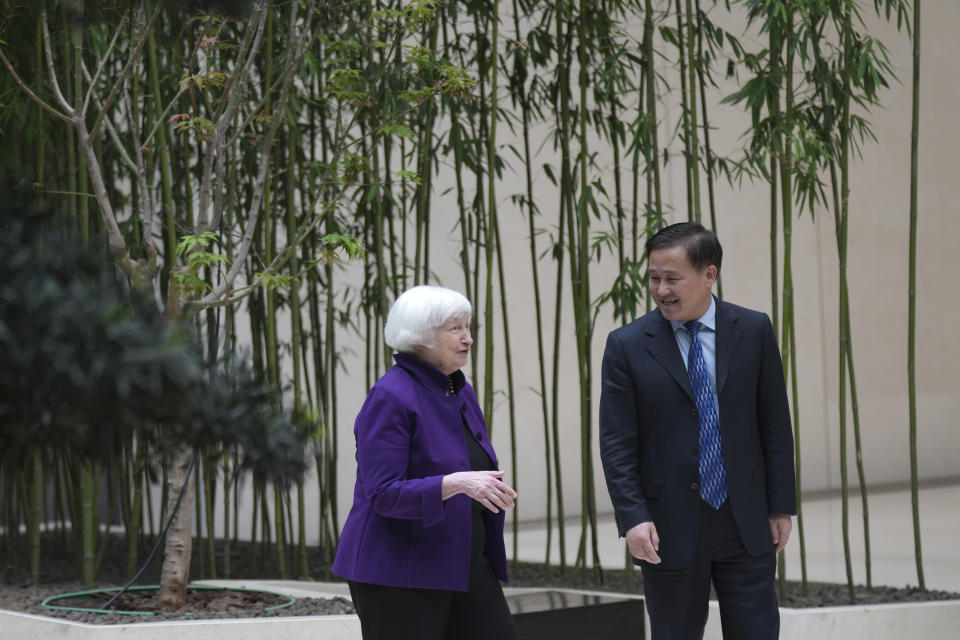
[486,487]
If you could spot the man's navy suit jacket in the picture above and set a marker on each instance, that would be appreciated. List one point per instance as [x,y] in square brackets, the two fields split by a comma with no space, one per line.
[649,430]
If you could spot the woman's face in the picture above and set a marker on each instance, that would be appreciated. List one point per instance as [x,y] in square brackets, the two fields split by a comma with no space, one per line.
[451,346]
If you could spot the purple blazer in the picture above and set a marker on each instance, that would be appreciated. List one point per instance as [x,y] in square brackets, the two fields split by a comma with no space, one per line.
[400,532]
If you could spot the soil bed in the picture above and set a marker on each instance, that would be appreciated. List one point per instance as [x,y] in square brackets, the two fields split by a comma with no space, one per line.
[202,604]
[59,576]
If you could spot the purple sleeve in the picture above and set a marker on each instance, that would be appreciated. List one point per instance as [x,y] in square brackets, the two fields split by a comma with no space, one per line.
[384,437]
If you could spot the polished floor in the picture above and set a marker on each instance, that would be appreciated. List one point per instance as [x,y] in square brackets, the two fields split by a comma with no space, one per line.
[891,539]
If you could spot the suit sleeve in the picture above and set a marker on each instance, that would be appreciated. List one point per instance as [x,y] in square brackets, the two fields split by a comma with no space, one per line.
[776,433]
[620,439]
[384,438]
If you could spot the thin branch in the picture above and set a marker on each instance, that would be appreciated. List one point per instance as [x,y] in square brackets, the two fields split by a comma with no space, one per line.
[126,70]
[254,208]
[71,112]
[215,146]
[147,212]
[31,94]
[162,118]
[115,239]
[103,63]
[111,129]
[68,193]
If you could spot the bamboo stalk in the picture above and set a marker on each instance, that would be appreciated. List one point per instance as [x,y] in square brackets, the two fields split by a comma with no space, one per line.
[534,270]
[912,297]
[693,64]
[581,282]
[685,126]
[651,81]
[707,148]
[135,526]
[35,512]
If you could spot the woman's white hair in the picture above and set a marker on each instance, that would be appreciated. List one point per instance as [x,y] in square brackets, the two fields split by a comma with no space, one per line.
[418,311]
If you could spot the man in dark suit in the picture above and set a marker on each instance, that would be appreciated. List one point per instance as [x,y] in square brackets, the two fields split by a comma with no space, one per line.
[697,446]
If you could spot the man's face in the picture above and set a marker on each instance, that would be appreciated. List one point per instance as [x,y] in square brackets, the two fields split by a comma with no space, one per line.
[681,292]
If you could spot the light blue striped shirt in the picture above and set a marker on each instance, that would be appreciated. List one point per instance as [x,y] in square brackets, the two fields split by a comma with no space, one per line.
[708,340]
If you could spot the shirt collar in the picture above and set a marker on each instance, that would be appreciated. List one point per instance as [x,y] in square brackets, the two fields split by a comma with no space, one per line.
[708,319]
[428,375]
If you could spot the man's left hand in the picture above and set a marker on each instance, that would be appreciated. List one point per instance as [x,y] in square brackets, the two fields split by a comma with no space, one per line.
[780,528]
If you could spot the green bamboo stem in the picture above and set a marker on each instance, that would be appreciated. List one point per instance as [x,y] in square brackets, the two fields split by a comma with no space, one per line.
[254,522]
[693,64]
[858,444]
[555,386]
[651,97]
[641,146]
[35,513]
[786,195]
[488,117]
[330,445]
[582,308]
[535,272]
[841,209]
[685,126]
[200,486]
[280,531]
[619,215]
[774,107]
[569,216]
[912,296]
[783,149]
[41,113]
[229,493]
[209,501]
[134,525]
[844,311]
[11,524]
[88,530]
[163,152]
[707,148]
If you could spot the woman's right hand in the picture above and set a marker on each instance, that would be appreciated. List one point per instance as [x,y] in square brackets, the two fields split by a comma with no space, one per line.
[485,487]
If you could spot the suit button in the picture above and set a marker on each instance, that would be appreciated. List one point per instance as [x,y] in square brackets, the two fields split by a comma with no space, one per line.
[414,541]
[695,486]
[463,408]
[695,450]
[693,412]
[479,435]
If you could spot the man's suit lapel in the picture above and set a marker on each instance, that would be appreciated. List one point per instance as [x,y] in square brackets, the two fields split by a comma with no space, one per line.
[728,335]
[662,345]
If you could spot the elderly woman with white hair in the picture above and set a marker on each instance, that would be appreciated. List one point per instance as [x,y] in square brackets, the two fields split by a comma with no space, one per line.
[422,547]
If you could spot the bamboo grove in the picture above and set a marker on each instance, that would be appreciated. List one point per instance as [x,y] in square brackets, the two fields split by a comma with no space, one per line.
[276,173]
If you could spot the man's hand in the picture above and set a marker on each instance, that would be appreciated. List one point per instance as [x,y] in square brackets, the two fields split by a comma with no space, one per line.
[780,528]
[643,542]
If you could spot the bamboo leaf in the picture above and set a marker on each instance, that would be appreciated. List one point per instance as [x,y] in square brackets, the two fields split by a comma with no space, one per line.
[409,176]
[397,129]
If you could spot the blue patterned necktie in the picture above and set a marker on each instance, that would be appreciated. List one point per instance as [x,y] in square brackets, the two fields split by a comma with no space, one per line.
[713,477]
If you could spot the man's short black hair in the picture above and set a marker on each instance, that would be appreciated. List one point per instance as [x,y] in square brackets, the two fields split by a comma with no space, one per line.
[702,246]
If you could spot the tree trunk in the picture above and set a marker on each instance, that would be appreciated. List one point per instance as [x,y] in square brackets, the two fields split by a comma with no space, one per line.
[178,547]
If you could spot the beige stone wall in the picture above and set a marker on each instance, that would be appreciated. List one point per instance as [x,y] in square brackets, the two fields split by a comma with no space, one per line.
[878,265]
[877,274]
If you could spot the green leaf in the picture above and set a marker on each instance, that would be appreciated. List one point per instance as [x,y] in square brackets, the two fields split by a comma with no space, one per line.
[271,281]
[409,176]
[189,243]
[334,242]
[397,129]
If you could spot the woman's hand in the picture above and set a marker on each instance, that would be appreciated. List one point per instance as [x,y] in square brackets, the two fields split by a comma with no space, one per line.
[485,487]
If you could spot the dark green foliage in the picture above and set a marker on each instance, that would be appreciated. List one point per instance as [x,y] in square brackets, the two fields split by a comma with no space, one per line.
[85,362]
